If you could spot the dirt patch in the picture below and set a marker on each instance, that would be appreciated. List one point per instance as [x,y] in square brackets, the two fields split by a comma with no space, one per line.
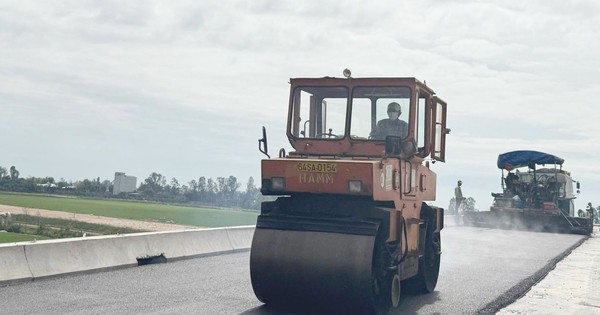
[94,219]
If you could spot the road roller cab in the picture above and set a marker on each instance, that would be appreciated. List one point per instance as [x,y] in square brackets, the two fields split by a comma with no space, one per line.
[352,225]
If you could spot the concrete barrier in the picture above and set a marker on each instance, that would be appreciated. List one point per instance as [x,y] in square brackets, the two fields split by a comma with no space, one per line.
[184,244]
[240,236]
[31,260]
[74,255]
[13,263]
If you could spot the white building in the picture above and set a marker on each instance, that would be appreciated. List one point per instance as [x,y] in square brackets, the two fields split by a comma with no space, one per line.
[123,183]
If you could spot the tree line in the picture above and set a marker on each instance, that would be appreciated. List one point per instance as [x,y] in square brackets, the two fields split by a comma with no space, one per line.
[468,204]
[222,191]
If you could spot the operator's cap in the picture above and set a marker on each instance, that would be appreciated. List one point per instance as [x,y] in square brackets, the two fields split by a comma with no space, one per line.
[394,107]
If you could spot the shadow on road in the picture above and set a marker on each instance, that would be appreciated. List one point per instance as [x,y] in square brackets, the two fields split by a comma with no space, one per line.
[409,304]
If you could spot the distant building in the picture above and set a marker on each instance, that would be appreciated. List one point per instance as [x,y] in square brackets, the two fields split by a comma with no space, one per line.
[47,185]
[123,183]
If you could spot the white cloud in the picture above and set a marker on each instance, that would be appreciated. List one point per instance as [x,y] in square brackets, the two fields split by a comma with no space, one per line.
[183,87]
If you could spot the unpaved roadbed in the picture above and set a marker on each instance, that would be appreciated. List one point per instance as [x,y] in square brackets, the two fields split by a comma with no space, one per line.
[94,219]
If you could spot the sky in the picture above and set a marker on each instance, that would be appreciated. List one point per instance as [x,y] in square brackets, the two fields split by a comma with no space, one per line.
[182,88]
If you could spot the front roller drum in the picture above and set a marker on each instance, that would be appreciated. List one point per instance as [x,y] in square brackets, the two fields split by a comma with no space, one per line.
[324,270]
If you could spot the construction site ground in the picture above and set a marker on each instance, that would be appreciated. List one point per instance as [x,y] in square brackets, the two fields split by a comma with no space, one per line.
[94,219]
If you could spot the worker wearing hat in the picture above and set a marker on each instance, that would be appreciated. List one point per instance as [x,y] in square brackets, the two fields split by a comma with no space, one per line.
[391,126]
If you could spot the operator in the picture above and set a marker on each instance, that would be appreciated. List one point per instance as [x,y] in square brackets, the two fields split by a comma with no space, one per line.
[391,126]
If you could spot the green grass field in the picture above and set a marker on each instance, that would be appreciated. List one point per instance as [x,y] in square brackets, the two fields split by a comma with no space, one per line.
[7,237]
[194,216]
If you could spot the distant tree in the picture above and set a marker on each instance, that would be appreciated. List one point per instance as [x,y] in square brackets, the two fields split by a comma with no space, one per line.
[175,187]
[226,191]
[84,186]
[221,185]
[231,191]
[190,192]
[90,187]
[152,185]
[232,184]
[452,206]
[250,184]
[156,180]
[202,190]
[223,191]
[107,186]
[49,180]
[185,188]
[211,191]
[468,204]
[193,185]
[14,174]
[25,185]
[202,184]
[63,184]
[251,199]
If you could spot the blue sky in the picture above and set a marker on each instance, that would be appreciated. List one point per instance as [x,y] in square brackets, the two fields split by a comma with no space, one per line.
[183,87]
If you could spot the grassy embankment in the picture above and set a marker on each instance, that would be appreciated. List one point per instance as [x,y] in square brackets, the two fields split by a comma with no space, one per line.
[31,226]
[7,237]
[144,211]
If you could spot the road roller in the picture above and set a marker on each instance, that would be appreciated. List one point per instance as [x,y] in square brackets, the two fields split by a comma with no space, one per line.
[349,225]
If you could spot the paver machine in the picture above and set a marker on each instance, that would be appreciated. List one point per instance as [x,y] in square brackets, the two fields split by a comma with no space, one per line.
[534,198]
[350,227]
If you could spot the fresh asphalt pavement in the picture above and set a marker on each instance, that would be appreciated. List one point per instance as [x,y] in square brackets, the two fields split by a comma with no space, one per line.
[482,271]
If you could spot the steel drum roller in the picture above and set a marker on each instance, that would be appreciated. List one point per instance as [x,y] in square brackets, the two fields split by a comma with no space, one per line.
[320,269]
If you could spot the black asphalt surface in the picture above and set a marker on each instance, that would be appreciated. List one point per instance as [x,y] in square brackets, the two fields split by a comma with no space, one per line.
[482,270]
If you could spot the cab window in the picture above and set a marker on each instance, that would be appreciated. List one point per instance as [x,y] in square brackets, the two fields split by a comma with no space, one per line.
[319,112]
[370,116]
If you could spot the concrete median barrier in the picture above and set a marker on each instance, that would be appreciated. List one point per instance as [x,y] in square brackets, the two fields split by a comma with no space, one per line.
[13,263]
[31,260]
[74,255]
[184,244]
[240,236]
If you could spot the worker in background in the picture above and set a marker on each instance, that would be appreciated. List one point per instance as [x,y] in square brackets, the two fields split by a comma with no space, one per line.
[458,199]
[391,126]
[592,212]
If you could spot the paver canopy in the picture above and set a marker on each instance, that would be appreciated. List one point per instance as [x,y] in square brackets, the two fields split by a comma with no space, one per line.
[515,159]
